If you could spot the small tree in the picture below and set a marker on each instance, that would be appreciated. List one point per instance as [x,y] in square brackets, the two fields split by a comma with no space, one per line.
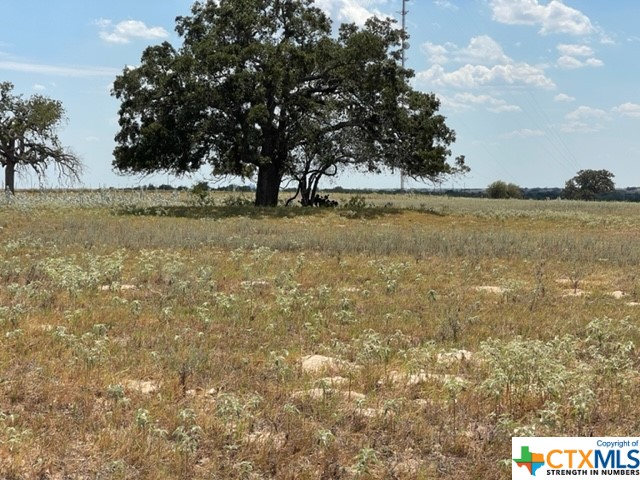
[500,189]
[28,137]
[588,184]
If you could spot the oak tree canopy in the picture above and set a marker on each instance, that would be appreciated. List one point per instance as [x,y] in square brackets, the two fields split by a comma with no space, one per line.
[264,89]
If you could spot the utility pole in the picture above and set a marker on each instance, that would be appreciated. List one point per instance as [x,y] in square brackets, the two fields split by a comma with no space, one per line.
[404,48]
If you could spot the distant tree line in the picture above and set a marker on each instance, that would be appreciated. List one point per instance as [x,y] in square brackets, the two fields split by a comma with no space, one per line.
[586,185]
[630,194]
[225,188]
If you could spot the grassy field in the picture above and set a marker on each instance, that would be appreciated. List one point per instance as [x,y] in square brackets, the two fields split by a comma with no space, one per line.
[157,335]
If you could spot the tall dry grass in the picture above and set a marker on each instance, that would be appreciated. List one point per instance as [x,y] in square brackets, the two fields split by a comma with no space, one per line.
[145,337]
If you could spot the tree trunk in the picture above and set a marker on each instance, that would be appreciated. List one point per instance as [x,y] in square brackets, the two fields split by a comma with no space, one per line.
[305,200]
[10,176]
[269,178]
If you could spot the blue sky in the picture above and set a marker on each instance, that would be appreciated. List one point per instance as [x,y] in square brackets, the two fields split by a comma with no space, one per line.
[535,89]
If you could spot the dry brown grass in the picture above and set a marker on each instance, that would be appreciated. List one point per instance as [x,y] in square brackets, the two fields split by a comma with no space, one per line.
[145,342]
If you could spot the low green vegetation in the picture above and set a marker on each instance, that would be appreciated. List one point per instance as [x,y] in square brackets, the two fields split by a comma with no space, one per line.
[500,189]
[151,335]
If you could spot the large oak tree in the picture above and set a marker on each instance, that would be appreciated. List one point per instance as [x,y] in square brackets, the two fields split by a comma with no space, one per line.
[29,139]
[262,88]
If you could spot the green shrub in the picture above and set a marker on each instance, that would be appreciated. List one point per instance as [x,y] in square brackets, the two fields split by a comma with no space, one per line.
[500,189]
[200,195]
[356,202]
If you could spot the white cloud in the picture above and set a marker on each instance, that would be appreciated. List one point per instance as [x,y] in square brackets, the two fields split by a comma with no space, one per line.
[569,54]
[39,87]
[485,50]
[482,50]
[62,71]
[466,101]
[628,110]
[584,112]
[485,63]
[437,53]
[554,17]
[474,76]
[606,39]
[574,50]
[504,107]
[524,133]
[585,120]
[446,5]
[127,30]
[103,23]
[568,62]
[594,62]
[563,97]
[356,11]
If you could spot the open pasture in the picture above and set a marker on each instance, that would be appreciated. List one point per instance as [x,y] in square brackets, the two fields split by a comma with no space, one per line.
[148,335]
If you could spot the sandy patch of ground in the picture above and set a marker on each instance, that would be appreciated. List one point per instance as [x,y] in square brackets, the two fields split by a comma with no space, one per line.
[122,288]
[491,289]
[575,293]
[617,294]
[319,363]
[142,386]
[454,356]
